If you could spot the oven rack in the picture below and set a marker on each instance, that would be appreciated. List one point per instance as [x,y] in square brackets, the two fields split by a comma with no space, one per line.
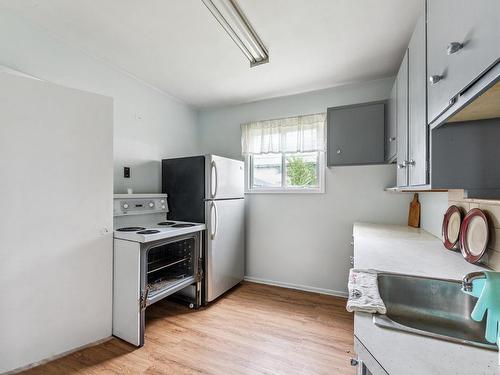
[167,288]
[162,264]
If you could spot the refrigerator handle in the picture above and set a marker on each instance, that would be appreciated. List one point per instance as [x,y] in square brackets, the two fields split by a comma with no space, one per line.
[214,181]
[215,223]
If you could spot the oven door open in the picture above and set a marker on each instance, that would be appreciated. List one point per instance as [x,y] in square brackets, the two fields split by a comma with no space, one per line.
[169,266]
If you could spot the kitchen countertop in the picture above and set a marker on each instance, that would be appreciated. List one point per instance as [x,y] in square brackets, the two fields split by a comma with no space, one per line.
[413,251]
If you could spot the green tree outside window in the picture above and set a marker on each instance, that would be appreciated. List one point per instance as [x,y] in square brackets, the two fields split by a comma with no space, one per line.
[301,172]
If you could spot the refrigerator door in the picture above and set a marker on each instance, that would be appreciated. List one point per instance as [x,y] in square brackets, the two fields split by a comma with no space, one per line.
[225,246]
[183,179]
[225,178]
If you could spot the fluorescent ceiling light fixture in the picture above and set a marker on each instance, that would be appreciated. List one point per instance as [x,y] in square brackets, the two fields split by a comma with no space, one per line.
[232,19]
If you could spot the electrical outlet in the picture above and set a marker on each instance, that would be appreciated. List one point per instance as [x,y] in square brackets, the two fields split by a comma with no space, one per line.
[126,172]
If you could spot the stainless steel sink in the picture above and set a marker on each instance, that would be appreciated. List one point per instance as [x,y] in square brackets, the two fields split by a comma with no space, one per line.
[430,307]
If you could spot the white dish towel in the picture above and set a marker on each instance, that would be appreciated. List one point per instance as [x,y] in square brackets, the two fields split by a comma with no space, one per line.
[363,292]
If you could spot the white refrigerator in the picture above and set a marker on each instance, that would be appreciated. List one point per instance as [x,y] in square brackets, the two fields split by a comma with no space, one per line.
[210,189]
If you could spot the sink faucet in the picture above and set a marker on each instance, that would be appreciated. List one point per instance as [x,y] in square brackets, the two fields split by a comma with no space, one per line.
[467,280]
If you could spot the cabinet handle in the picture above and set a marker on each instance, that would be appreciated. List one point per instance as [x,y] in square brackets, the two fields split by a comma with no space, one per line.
[435,79]
[454,47]
[392,139]
[409,162]
[401,166]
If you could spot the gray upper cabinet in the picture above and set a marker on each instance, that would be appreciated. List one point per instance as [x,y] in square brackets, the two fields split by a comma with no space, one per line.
[356,134]
[402,122]
[463,41]
[411,111]
[465,156]
[391,126]
[417,109]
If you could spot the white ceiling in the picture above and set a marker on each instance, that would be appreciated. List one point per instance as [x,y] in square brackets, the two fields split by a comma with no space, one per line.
[178,46]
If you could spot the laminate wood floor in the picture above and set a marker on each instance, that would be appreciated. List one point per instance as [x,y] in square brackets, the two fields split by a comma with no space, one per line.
[254,329]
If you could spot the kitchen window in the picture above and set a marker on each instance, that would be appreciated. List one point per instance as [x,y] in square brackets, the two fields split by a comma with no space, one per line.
[285,155]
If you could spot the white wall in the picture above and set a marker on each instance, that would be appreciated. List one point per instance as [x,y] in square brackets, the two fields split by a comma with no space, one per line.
[148,125]
[304,240]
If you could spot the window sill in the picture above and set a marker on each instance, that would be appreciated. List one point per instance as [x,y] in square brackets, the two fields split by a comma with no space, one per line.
[290,191]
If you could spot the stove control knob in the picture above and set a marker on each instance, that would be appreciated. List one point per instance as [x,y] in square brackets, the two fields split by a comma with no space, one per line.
[151,204]
[163,207]
[162,201]
[125,205]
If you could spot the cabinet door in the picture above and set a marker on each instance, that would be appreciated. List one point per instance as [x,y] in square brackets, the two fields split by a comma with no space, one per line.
[356,134]
[391,126]
[417,119]
[474,28]
[402,122]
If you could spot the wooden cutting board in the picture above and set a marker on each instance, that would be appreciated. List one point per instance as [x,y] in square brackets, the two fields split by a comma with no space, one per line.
[414,214]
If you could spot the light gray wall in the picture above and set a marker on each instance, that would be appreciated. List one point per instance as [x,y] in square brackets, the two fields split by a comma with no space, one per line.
[148,125]
[304,240]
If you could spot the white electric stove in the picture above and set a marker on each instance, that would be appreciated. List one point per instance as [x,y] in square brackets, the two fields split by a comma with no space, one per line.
[142,218]
[153,258]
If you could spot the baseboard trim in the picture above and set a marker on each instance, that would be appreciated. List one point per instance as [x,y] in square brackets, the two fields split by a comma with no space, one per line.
[57,356]
[304,288]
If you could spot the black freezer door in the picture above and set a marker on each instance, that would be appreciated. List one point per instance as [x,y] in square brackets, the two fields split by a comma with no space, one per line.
[183,179]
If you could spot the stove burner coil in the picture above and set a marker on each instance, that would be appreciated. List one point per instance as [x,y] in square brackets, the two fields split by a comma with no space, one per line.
[166,223]
[130,229]
[148,231]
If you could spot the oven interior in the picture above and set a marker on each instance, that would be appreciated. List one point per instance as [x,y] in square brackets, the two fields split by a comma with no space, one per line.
[169,264]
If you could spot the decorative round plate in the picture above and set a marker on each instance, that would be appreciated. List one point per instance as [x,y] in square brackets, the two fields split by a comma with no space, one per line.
[451,227]
[474,235]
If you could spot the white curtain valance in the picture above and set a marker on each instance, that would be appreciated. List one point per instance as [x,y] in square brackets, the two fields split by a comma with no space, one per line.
[292,134]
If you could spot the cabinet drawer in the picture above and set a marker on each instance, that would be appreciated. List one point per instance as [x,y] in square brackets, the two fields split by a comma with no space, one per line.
[463,41]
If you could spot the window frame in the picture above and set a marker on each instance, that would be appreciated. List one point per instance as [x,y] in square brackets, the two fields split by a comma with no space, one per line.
[320,189]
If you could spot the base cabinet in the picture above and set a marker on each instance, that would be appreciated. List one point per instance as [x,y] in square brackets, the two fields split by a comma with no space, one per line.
[367,364]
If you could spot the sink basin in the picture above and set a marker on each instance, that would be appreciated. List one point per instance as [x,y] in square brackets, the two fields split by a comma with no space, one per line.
[430,307]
